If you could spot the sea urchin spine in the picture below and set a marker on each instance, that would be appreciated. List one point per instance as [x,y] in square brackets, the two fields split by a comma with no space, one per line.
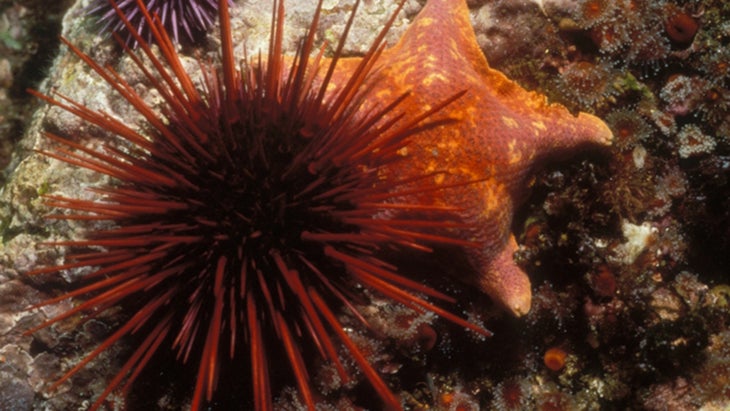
[245,213]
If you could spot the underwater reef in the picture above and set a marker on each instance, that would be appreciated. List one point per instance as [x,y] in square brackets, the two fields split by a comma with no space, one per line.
[626,246]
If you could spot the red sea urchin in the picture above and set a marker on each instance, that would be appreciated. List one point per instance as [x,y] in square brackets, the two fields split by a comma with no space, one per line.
[246,211]
[192,17]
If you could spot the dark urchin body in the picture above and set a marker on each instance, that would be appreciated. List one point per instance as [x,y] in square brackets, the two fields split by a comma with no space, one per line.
[188,18]
[247,213]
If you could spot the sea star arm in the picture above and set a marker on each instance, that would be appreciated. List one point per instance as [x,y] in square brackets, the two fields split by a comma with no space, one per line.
[506,283]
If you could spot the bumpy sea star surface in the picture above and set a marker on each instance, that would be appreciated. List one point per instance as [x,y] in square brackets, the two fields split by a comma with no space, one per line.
[502,132]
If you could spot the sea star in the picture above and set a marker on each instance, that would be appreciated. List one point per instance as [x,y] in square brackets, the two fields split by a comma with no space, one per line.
[502,133]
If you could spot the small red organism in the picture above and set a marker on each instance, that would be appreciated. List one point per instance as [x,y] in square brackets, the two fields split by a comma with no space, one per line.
[510,395]
[680,26]
[586,83]
[629,127]
[457,399]
[682,94]
[603,282]
[589,13]
[554,358]
[426,336]
[610,37]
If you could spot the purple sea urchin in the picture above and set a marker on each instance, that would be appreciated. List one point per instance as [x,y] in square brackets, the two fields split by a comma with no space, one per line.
[190,18]
[246,211]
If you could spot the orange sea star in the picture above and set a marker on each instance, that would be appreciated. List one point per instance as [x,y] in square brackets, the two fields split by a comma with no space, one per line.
[502,133]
